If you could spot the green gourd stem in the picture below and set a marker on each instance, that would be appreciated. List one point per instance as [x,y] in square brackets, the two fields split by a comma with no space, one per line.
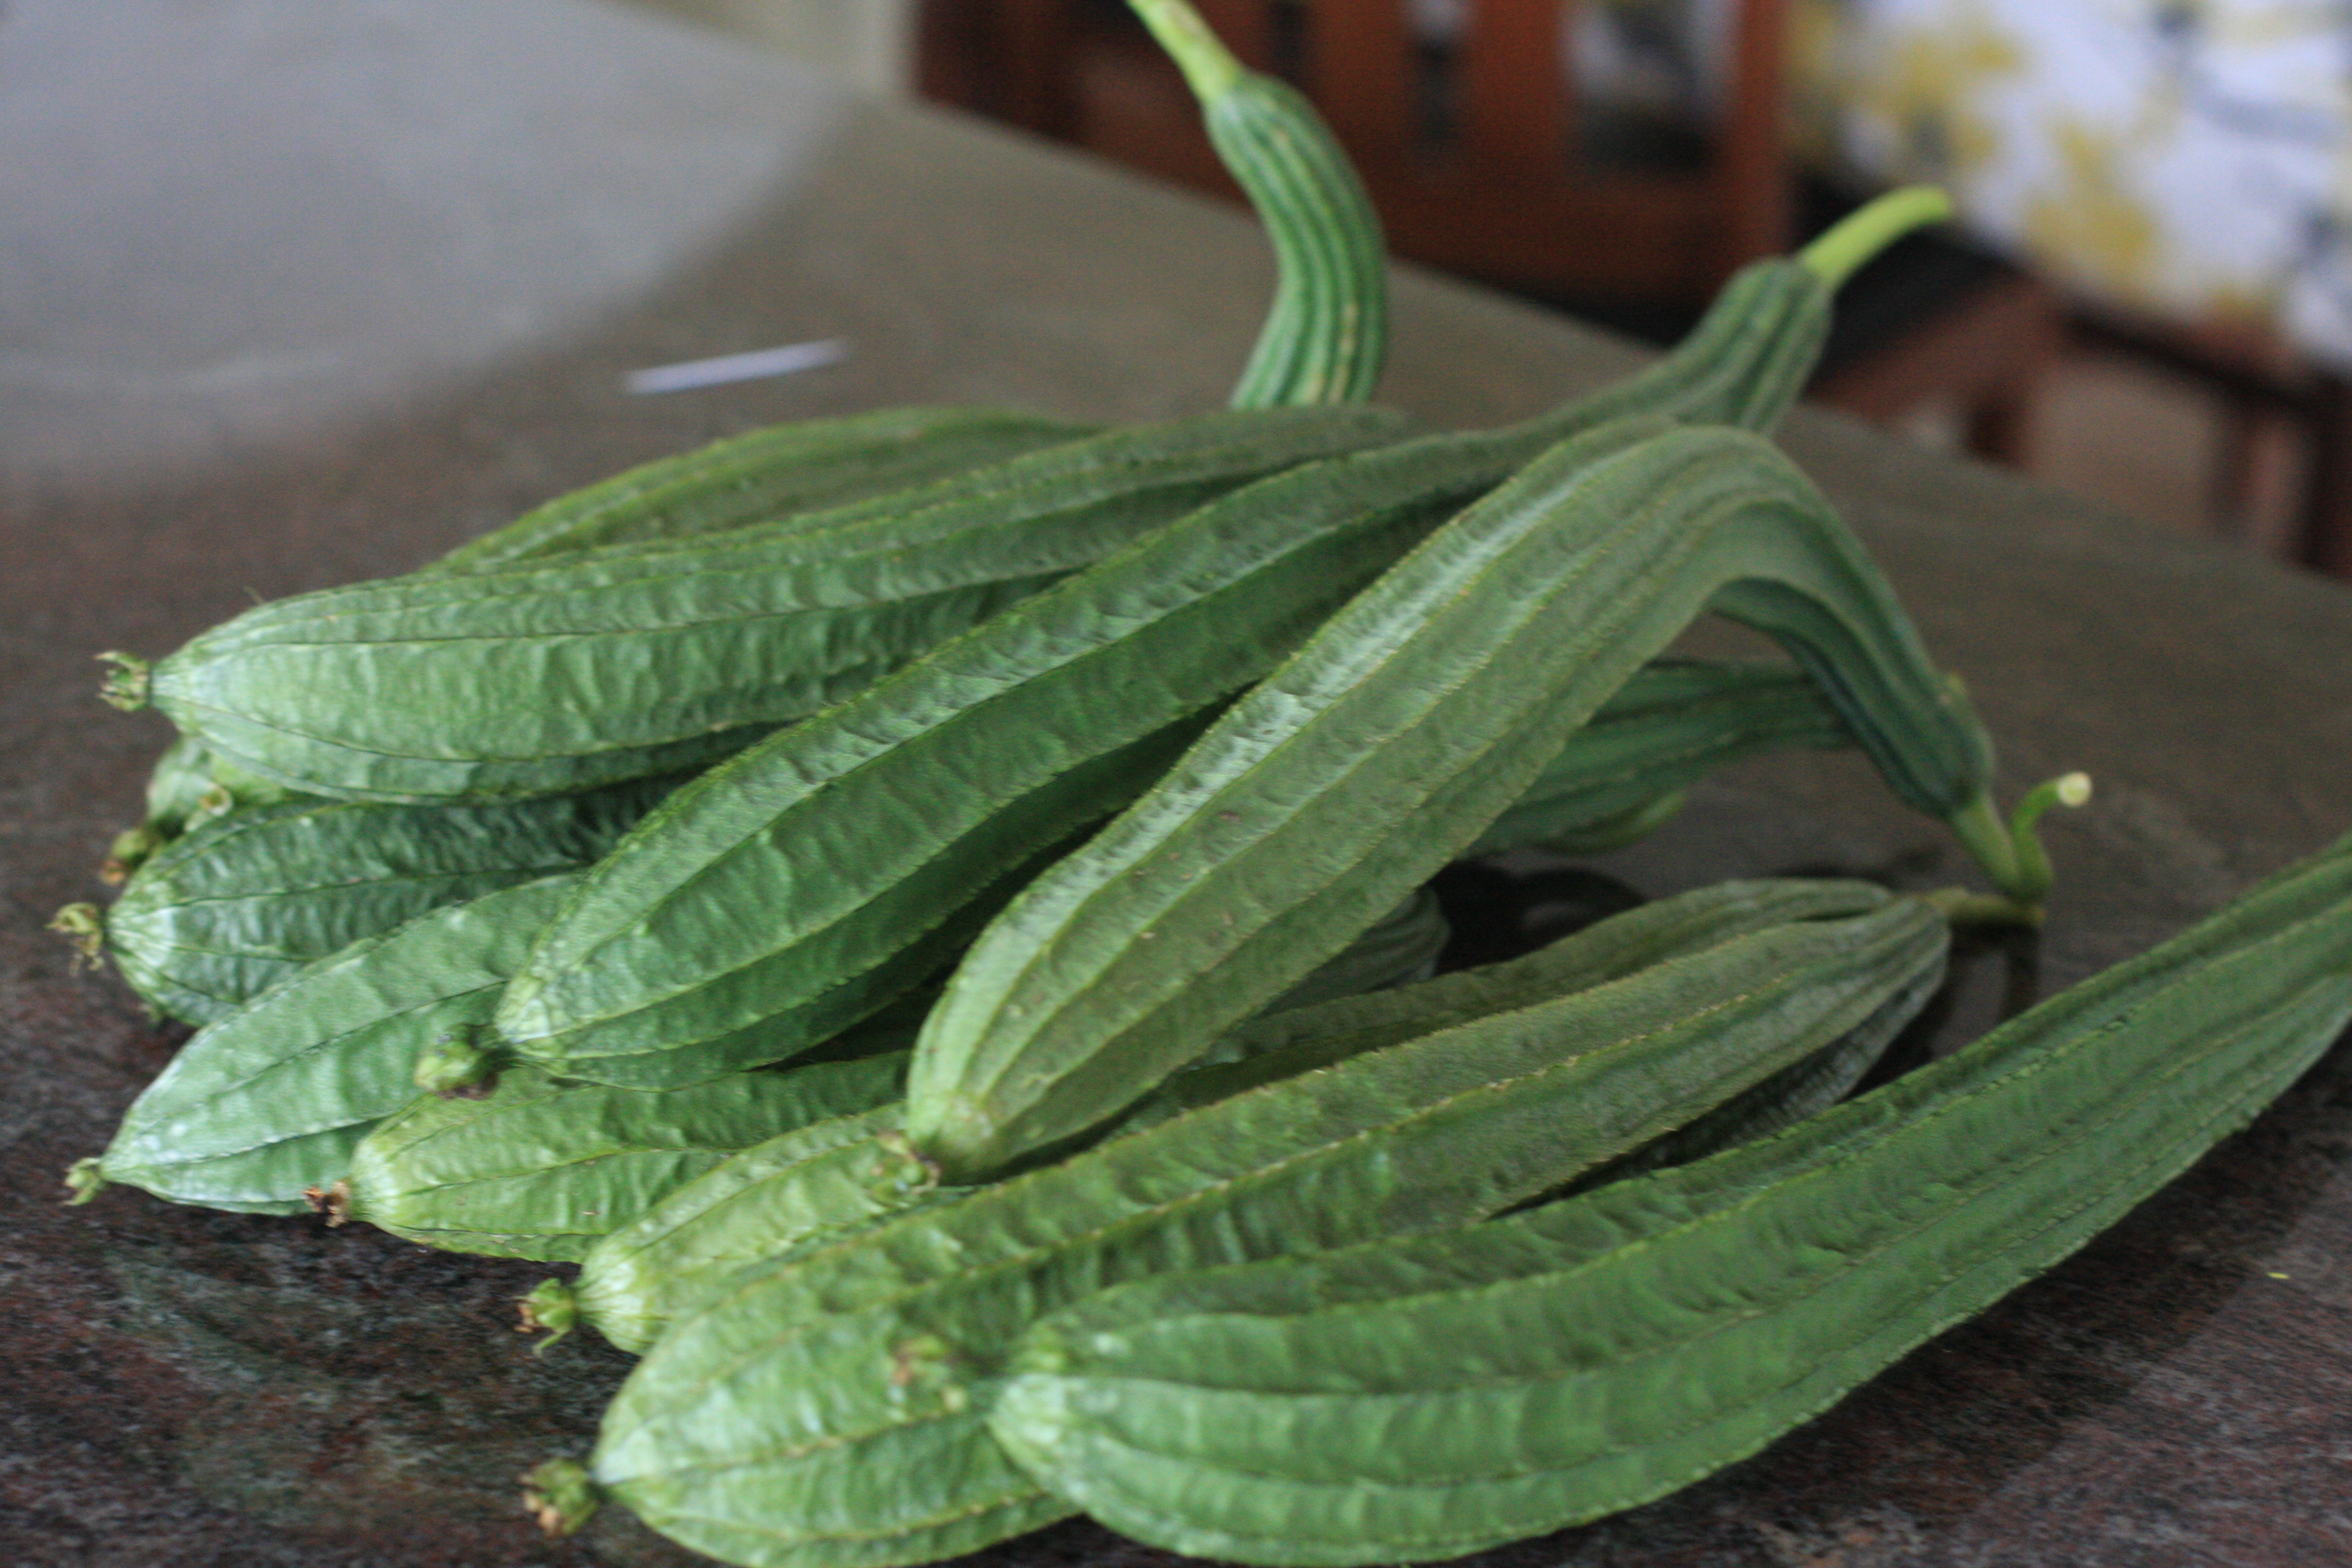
[2011,852]
[2070,790]
[87,1178]
[1325,332]
[561,1495]
[126,684]
[84,927]
[1965,907]
[457,1062]
[1209,68]
[553,1308]
[1835,255]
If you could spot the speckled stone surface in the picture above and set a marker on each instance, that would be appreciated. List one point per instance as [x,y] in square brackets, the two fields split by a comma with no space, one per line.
[303,291]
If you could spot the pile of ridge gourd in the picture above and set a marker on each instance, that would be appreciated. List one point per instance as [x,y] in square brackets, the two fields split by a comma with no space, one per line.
[927,911]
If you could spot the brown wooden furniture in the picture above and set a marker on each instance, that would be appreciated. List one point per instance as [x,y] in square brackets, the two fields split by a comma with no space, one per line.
[1473,148]
[2260,384]
[1482,162]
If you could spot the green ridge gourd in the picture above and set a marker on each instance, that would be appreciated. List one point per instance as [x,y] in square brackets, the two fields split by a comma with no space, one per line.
[829,1178]
[1431,1396]
[877,835]
[826,1411]
[538,1169]
[793,1190]
[1405,726]
[247,900]
[1323,341]
[655,657]
[1327,331]
[271,1100]
[798,470]
[785,470]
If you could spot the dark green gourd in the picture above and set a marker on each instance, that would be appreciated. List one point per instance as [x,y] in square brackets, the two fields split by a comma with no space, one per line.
[1433,1395]
[540,1168]
[794,1191]
[247,900]
[876,837]
[631,660]
[1399,732]
[269,1100]
[827,1409]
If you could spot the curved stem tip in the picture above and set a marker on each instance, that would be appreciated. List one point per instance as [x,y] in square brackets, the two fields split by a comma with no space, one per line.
[1840,250]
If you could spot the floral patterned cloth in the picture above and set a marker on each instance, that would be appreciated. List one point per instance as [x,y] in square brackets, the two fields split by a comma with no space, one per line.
[2189,157]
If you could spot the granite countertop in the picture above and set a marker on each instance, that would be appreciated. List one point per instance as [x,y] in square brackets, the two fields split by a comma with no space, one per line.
[300,291]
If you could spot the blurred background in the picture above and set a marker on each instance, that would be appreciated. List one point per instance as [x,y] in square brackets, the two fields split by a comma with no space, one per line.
[2147,300]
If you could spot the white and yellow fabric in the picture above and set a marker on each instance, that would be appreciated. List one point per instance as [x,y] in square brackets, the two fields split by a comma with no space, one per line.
[2188,157]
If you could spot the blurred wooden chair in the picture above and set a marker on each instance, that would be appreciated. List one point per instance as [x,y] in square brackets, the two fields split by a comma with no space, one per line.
[1482,162]
[2259,385]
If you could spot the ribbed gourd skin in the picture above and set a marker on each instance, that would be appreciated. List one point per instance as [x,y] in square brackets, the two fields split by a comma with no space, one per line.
[1327,332]
[798,471]
[1283,1044]
[247,900]
[659,657]
[820,1182]
[1439,1395]
[1673,723]
[826,1410]
[541,1169]
[1409,722]
[271,1099]
[876,838]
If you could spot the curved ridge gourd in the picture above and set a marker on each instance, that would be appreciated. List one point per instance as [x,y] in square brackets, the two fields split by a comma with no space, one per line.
[540,1168]
[998,744]
[247,900]
[1438,1395]
[1327,330]
[636,659]
[1398,731]
[803,470]
[876,838]
[271,1100]
[825,1409]
[793,1190]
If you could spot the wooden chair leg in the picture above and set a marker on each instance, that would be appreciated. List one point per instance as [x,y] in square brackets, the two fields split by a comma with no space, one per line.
[2229,498]
[2324,540]
[2000,424]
